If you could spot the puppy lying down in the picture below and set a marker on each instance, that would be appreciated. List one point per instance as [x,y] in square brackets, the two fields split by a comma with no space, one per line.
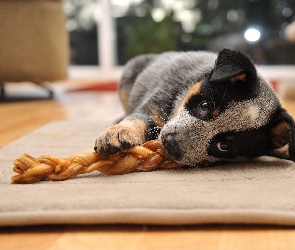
[204,108]
[201,107]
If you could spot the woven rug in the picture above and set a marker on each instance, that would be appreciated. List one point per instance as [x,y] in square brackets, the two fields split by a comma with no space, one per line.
[258,192]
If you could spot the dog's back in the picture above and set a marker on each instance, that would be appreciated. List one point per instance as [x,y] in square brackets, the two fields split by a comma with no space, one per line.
[164,75]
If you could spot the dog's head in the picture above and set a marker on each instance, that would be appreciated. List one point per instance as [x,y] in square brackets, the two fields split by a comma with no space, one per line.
[230,115]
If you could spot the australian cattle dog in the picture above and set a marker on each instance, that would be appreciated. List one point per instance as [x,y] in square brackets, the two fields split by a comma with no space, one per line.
[204,107]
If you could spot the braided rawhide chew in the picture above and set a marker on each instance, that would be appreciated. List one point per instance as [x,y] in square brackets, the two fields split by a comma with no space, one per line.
[146,157]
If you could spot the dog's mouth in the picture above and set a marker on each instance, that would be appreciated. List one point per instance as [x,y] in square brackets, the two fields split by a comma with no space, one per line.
[173,149]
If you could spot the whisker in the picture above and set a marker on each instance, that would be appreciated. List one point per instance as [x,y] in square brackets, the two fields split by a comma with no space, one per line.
[158,122]
[223,96]
[212,98]
[165,114]
[158,117]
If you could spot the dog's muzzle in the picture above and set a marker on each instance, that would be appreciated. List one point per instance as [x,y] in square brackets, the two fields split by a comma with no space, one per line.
[171,146]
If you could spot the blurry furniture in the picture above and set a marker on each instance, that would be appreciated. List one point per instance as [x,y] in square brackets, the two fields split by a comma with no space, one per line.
[280,52]
[33,42]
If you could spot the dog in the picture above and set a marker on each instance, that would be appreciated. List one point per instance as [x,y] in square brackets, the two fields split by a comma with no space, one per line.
[205,108]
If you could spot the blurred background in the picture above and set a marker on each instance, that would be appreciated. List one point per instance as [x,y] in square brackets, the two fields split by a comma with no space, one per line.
[113,31]
[70,53]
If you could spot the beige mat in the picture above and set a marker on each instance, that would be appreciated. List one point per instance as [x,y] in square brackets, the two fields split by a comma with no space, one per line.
[260,192]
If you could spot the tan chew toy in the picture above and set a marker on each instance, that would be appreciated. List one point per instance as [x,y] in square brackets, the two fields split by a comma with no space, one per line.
[147,157]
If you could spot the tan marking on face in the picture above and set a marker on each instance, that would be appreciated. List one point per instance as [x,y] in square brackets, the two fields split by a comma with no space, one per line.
[280,134]
[157,118]
[195,89]
[242,158]
[282,152]
[241,77]
[230,138]
[215,112]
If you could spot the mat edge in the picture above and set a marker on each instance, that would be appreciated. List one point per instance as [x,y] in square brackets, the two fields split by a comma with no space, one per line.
[150,217]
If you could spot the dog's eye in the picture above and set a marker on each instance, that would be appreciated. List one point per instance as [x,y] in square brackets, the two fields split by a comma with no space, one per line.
[223,146]
[204,107]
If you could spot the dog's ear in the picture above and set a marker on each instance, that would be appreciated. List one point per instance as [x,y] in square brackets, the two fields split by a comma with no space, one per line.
[234,66]
[283,137]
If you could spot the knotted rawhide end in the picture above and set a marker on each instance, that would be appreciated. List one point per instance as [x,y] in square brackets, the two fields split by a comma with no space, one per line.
[147,157]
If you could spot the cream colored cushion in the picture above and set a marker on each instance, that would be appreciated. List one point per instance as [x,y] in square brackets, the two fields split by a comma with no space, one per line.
[33,41]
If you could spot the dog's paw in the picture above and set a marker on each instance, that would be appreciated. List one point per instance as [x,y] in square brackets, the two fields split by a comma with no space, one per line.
[119,137]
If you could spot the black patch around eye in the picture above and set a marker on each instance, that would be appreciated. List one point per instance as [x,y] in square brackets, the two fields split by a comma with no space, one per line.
[204,107]
[234,91]
[199,108]
[252,143]
[223,146]
[203,110]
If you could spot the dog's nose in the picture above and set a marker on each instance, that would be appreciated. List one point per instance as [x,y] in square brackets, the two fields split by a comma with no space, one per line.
[172,147]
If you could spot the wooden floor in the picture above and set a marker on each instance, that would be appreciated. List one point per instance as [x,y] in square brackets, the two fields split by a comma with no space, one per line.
[19,118]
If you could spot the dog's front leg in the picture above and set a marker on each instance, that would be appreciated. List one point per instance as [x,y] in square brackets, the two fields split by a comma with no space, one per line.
[119,137]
